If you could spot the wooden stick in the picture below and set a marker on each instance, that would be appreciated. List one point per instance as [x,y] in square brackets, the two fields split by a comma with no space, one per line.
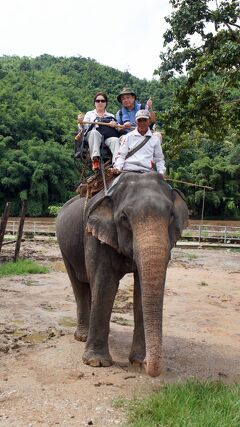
[20,230]
[189,183]
[4,221]
[103,124]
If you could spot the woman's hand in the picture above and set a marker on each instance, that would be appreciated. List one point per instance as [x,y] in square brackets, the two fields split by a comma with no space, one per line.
[113,124]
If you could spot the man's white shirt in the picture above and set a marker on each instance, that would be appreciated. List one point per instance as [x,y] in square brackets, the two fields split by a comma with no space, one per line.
[143,158]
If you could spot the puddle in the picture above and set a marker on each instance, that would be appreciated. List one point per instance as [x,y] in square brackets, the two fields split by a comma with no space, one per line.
[68,322]
[17,322]
[36,337]
[30,282]
[20,333]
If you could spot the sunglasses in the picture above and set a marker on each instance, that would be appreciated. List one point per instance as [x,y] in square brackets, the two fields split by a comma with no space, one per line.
[100,100]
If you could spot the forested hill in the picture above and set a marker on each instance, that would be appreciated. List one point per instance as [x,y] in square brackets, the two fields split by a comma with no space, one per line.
[40,99]
[39,102]
[46,93]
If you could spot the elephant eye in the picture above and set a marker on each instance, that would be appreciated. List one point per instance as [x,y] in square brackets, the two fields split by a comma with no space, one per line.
[123,216]
[124,220]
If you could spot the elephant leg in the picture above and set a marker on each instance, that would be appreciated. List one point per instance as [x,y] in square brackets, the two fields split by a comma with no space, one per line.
[82,296]
[138,349]
[103,294]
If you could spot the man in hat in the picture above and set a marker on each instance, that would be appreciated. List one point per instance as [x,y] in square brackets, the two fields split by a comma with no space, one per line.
[140,149]
[126,115]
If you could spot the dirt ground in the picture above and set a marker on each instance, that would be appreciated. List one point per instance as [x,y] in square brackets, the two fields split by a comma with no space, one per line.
[43,381]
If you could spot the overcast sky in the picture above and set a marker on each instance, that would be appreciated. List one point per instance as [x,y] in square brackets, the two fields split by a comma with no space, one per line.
[124,34]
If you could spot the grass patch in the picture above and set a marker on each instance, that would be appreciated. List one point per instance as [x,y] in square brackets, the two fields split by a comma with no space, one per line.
[122,321]
[119,402]
[192,404]
[22,267]
[237,250]
[191,256]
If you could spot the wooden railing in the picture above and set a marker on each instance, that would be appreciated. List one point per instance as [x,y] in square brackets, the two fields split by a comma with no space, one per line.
[196,232]
[32,227]
[212,233]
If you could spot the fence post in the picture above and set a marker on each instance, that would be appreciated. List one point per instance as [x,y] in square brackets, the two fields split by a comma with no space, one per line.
[4,221]
[203,203]
[200,233]
[225,235]
[20,230]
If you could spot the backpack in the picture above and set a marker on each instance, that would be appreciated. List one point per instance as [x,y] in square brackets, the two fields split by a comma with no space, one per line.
[81,144]
[107,131]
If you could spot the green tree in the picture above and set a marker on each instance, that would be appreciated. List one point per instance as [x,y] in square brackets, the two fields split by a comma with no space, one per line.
[45,171]
[203,42]
[210,163]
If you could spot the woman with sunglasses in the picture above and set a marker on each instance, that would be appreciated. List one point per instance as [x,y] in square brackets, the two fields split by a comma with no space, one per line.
[94,133]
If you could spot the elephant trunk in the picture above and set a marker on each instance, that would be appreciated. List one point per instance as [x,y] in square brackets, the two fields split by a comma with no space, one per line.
[151,252]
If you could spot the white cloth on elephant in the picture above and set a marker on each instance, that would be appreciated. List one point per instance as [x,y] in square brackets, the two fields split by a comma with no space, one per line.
[143,159]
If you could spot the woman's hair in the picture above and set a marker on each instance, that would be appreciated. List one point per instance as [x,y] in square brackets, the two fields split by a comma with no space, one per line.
[104,96]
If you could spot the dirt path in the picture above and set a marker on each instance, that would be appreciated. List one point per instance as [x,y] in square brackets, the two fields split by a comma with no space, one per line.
[42,379]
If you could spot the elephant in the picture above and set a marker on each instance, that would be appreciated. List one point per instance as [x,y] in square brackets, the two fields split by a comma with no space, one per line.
[130,229]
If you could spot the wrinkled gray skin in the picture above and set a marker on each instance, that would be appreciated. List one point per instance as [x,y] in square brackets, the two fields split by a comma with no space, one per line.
[133,230]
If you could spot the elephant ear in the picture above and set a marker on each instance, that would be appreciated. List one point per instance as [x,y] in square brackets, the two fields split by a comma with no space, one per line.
[100,222]
[180,216]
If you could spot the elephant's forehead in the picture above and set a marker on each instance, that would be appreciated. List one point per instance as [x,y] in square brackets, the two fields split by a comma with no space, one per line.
[136,176]
[135,185]
[141,180]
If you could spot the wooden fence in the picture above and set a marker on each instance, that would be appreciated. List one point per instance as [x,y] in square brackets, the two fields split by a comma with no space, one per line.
[32,228]
[196,232]
[212,233]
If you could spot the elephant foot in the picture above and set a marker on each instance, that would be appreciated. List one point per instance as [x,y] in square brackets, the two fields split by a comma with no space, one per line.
[96,360]
[136,359]
[81,334]
[138,350]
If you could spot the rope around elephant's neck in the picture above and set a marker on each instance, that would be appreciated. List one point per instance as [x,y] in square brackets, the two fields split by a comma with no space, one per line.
[86,202]
[179,181]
